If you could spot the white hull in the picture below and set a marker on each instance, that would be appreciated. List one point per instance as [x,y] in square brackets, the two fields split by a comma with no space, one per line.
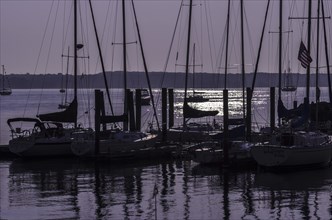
[212,153]
[111,147]
[44,142]
[281,156]
[208,156]
[28,147]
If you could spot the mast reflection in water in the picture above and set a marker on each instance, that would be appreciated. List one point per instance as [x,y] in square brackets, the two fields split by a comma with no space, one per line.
[58,188]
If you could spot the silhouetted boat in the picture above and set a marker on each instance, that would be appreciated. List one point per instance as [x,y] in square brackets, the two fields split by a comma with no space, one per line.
[46,135]
[115,142]
[294,144]
[4,90]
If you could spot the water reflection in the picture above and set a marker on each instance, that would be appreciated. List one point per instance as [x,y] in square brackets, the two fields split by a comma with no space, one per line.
[67,188]
[307,193]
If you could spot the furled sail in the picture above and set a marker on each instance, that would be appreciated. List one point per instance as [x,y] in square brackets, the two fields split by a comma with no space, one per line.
[283,112]
[69,115]
[189,112]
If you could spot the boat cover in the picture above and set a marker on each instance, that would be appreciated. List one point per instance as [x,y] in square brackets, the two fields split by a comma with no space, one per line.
[69,115]
[189,112]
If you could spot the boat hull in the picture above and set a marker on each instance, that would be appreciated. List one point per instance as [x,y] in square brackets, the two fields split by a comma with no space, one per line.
[282,156]
[26,147]
[208,156]
[212,152]
[111,147]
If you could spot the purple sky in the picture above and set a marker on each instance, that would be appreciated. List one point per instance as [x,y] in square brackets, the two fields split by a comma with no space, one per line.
[23,24]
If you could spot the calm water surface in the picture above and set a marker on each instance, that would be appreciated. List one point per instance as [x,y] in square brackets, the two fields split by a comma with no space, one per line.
[70,188]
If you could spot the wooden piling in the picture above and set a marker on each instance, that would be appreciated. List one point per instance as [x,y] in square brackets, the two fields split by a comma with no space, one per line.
[272,108]
[102,109]
[138,100]
[131,112]
[170,108]
[295,104]
[248,119]
[225,133]
[98,95]
[164,113]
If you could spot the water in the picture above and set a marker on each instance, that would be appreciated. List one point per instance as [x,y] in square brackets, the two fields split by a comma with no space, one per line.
[59,188]
[81,189]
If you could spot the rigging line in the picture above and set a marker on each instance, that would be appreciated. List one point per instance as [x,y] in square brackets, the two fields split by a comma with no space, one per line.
[87,48]
[107,32]
[170,48]
[234,34]
[85,63]
[38,58]
[259,50]
[48,58]
[209,36]
[103,34]
[101,58]
[113,38]
[63,27]
[269,43]
[221,55]
[326,54]
[249,37]
[145,67]
[68,25]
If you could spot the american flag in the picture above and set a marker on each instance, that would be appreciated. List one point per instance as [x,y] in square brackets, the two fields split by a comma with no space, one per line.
[304,56]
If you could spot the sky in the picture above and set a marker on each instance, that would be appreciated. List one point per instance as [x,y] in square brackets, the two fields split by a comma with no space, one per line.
[35,34]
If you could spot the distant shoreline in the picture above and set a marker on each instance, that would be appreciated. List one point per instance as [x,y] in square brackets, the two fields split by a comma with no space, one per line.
[138,80]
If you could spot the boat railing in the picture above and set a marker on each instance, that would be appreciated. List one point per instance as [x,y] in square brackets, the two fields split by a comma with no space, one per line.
[18,132]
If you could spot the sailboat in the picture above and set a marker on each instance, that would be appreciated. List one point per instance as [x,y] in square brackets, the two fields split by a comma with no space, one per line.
[293,145]
[289,85]
[116,143]
[4,90]
[46,134]
[191,132]
[238,149]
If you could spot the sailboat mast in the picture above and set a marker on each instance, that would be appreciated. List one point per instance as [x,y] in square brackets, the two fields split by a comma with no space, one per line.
[326,53]
[75,55]
[187,59]
[3,76]
[227,39]
[280,54]
[145,67]
[67,71]
[317,63]
[308,45]
[124,47]
[242,60]
[317,52]
[194,70]
[280,49]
